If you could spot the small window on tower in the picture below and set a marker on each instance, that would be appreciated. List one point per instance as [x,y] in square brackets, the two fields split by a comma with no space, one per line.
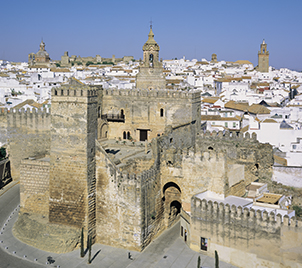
[161,112]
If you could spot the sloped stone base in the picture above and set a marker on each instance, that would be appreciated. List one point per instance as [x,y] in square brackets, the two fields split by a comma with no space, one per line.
[39,233]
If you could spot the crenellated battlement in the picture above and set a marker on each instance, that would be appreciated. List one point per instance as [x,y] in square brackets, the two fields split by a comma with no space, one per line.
[228,135]
[28,118]
[152,93]
[214,212]
[74,91]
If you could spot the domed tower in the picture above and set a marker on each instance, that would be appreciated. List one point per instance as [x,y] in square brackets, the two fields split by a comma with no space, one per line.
[41,58]
[263,58]
[151,75]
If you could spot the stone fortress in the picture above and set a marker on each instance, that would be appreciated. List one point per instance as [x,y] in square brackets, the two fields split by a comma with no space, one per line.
[127,164]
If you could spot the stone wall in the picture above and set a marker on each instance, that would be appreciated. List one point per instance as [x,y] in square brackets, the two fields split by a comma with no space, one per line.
[34,189]
[246,238]
[256,157]
[28,132]
[72,165]
[290,176]
[149,111]
[223,163]
[3,126]
[129,206]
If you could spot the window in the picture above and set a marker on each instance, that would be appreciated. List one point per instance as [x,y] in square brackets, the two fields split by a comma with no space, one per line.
[161,112]
[182,231]
[124,135]
[234,124]
[294,147]
[226,124]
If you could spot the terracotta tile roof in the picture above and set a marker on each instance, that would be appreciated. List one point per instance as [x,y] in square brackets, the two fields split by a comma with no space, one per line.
[210,99]
[240,106]
[243,62]
[60,70]
[280,160]
[245,129]
[269,198]
[269,120]
[210,117]
[218,118]
[29,102]
[258,109]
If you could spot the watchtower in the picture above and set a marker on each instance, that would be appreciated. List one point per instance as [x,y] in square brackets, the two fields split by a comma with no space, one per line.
[72,164]
[263,58]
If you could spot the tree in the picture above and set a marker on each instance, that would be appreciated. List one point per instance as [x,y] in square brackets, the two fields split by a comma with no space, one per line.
[216,260]
[82,243]
[89,63]
[58,64]
[89,249]
[2,153]
[298,211]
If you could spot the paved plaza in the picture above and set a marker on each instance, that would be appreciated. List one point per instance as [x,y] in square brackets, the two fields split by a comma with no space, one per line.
[168,250]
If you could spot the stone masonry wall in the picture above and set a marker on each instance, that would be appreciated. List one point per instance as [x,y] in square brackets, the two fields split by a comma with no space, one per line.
[3,126]
[142,110]
[256,157]
[129,206]
[246,238]
[34,189]
[72,165]
[28,133]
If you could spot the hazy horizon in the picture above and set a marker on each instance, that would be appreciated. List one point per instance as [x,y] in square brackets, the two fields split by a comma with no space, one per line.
[232,29]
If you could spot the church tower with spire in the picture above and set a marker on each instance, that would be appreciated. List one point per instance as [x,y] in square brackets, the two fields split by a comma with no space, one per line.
[263,58]
[151,75]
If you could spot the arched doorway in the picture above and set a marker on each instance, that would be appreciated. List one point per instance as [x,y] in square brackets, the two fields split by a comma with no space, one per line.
[172,203]
[103,132]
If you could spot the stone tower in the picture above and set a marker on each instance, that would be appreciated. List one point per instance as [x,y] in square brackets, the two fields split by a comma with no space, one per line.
[41,58]
[214,58]
[263,57]
[151,75]
[72,164]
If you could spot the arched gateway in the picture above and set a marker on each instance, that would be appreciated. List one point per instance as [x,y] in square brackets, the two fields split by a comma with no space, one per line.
[172,203]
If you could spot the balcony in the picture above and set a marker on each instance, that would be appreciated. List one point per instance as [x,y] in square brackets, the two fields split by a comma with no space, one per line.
[114,117]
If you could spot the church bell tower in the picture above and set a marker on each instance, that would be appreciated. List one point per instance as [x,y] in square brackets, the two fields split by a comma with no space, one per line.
[263,58]
[151,75]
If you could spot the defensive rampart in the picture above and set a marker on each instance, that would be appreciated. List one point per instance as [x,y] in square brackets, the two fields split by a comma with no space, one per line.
[243,237]
[133,213]
[28,132]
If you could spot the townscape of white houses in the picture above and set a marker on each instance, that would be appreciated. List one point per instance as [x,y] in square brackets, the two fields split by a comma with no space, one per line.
[235,96]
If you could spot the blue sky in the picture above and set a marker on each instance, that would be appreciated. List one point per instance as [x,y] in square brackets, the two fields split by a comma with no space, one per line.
[232,29]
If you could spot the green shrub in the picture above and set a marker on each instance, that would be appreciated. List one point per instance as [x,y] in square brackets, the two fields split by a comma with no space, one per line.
[2,153]
[298,210]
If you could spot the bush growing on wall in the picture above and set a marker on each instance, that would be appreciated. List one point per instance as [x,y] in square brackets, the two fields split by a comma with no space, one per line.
[2,153]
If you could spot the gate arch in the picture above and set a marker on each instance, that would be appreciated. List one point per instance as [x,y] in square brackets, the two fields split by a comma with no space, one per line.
[171,202]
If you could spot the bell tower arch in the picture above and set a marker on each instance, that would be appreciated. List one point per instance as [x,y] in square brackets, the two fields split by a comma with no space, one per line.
[263,58]
[151,75]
